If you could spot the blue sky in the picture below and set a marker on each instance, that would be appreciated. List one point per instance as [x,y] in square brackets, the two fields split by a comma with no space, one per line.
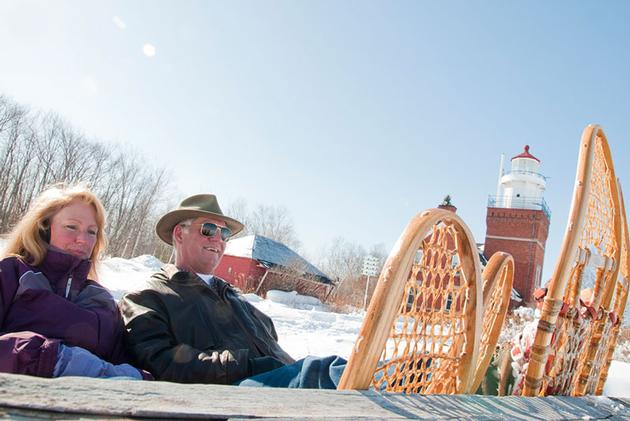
[353,115]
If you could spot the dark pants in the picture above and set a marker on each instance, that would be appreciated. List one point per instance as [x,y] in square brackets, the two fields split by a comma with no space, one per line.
[307,373]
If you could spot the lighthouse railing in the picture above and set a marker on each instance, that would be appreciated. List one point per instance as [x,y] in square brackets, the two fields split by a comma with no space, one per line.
[511,202]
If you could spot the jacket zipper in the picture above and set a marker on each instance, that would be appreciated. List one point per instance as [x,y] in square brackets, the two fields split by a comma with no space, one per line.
[221,292]
[68,285]
[252,339]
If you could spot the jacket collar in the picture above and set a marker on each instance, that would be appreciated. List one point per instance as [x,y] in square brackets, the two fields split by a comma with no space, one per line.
[174,274]
[58,264]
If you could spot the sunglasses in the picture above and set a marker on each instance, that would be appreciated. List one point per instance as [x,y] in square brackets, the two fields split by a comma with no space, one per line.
[208,229]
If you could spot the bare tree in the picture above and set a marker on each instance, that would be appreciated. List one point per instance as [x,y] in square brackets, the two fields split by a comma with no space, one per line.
[342,259]
[269,221]
[380,252]
[37,150]
[239,211]
[274,222]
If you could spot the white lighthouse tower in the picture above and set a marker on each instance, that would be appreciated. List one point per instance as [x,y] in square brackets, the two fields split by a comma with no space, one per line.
[518,220]
[523,186]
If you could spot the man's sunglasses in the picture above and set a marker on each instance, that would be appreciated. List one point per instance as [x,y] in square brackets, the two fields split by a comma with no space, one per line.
[208,229]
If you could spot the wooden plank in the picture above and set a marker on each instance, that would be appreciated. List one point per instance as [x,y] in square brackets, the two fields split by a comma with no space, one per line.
[18,414]
[24,397]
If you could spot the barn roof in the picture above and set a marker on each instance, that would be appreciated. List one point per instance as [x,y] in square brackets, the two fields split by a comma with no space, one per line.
[272,253]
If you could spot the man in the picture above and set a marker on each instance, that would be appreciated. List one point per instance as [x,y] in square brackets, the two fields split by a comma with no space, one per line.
[189,326]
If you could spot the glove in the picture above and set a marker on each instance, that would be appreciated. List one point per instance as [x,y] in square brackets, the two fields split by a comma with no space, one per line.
[76,361]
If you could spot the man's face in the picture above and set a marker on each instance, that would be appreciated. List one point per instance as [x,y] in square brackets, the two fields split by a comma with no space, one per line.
[196,252]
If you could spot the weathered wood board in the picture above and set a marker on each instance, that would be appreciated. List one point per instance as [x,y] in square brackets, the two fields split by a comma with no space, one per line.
[24,397]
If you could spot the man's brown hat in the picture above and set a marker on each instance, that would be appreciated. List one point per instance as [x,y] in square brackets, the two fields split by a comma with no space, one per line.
[194,207]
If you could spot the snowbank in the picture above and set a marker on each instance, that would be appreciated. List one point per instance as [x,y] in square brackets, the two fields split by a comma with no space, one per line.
[309,331]
[123,275]
[618,383]
[295,300]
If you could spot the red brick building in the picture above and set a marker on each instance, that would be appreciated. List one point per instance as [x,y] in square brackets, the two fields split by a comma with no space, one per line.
[517,222]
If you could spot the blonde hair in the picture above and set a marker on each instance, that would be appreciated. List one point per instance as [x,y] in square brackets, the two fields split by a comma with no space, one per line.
[26,240]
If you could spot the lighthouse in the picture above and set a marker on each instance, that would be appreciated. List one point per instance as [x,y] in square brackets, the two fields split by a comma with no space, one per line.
[517,221]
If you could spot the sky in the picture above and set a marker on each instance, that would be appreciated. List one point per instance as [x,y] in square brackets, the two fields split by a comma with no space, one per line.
[353,115]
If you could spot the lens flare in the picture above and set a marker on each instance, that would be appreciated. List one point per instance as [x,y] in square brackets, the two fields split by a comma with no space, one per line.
[148,50]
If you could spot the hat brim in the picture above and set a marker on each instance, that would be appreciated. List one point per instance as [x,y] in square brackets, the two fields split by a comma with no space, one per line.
[164,227]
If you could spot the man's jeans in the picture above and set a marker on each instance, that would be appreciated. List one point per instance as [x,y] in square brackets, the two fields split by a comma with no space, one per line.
[307,373]
[322,373]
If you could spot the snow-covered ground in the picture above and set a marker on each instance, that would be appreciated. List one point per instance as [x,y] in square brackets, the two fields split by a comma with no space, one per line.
[304,325]
[122,275]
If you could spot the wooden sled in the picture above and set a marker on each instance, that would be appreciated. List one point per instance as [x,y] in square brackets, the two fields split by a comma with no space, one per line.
[570,342]
[422,330]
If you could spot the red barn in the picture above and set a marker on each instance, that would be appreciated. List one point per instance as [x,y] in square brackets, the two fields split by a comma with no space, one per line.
[258,264]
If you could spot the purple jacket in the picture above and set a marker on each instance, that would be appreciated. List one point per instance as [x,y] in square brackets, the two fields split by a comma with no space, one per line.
[53,303]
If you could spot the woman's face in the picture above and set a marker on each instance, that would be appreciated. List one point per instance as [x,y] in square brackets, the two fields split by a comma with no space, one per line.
[73,229]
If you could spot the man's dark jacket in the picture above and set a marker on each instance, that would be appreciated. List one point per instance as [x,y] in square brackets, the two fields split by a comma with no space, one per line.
[182,330]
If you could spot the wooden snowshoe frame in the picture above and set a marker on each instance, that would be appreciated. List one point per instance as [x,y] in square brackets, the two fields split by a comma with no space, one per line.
[422,328]
[568,337]
[620,299]
[497,276]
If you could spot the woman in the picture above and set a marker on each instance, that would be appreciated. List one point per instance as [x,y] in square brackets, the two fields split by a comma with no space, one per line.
[54,321]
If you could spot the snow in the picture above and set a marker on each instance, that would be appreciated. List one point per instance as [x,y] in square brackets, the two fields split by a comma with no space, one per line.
[295,300]
[241,247]
[307,329]
[618,382]
[123,275]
